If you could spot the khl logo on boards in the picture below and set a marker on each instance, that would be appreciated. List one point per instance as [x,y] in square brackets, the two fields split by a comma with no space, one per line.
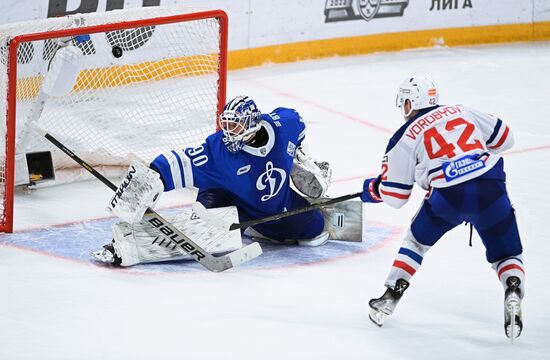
[343,10]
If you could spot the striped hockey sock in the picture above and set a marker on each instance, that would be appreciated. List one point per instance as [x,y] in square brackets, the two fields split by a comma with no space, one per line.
[510,266]
[408,260]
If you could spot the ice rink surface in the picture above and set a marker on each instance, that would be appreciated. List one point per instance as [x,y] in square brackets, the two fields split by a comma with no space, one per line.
[311,306]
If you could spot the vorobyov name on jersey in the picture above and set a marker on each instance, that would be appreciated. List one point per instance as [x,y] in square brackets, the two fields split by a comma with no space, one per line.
[426,121]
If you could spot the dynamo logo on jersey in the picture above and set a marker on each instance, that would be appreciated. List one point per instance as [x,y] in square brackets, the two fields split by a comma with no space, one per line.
[274,178]
[461,167]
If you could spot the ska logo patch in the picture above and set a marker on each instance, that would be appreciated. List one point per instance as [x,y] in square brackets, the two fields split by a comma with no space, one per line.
[461,167]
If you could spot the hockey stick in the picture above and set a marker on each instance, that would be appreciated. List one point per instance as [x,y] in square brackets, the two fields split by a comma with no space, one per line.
[59,78]
[203,213]
[170,232]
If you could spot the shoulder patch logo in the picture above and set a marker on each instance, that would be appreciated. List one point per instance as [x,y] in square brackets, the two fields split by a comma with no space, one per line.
[291,149]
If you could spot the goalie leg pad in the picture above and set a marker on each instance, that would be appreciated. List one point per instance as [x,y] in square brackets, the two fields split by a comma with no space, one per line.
[344,220]
[141,243]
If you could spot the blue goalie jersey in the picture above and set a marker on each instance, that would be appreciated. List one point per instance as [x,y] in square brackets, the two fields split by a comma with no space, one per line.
[258,177]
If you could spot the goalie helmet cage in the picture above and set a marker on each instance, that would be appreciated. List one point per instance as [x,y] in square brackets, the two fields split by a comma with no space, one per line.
[151,79]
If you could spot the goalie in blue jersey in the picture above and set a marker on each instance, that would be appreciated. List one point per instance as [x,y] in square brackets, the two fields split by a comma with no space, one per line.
[248,164]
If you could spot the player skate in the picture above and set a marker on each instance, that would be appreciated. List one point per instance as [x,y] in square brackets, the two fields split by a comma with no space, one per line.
[513,324]
[385,305]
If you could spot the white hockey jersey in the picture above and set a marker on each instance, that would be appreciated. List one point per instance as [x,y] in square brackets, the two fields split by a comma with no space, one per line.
[440,147]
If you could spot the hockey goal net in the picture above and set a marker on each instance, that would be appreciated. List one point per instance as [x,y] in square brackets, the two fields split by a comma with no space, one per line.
[149,80]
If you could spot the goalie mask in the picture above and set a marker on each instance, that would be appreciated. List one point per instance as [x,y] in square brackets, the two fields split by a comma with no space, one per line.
[239,121]
[420,91]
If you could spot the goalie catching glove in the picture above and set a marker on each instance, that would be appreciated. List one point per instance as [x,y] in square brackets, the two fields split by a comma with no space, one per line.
[140,189]
[310,177]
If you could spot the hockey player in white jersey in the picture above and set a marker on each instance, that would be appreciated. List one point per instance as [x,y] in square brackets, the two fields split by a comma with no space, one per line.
[451,152]
[247,164]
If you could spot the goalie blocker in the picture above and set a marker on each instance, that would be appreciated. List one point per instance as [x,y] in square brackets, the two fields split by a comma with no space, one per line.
[140,189]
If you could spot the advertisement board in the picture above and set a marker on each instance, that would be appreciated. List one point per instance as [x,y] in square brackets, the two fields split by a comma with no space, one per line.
[261,30]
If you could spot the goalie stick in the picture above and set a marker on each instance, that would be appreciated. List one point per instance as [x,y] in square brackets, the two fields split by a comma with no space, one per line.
[59,78]
[201,211]
[170,232]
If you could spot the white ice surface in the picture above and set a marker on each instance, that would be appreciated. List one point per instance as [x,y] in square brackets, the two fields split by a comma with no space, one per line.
[52,308]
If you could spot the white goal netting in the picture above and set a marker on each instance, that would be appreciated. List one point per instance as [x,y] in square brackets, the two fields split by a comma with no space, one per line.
[153,84]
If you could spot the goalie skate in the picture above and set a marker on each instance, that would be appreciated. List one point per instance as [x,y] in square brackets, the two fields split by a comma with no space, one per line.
[513,324]
[385,305]
[107,255]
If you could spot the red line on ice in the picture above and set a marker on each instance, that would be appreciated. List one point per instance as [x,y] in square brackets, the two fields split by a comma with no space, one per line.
[325,108]
[524,150]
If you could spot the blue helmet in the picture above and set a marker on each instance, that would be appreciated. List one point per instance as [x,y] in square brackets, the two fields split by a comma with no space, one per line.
[239,120]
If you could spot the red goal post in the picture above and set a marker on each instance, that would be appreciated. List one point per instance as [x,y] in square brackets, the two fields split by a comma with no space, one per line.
[162,88]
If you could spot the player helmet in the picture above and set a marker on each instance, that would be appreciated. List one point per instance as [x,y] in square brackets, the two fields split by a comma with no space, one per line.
[420,90]
[239,120]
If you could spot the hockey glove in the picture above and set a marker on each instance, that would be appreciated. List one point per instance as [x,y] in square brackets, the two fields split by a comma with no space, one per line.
[140,189]
[370,190]
[312,178]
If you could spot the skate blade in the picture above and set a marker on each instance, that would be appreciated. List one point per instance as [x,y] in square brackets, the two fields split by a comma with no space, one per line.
[513,329]
[377,317]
